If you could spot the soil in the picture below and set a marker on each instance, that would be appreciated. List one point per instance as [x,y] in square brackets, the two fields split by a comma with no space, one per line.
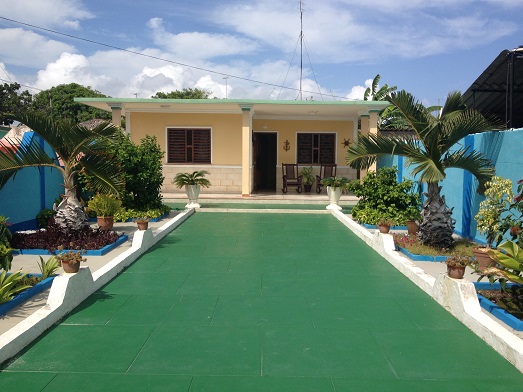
[510,299]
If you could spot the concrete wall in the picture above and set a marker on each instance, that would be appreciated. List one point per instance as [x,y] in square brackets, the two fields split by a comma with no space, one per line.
[31,190]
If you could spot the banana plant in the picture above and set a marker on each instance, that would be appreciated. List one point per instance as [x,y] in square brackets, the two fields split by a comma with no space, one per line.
[509,259]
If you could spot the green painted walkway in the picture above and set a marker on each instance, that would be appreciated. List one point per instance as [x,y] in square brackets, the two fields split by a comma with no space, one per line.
[260,302]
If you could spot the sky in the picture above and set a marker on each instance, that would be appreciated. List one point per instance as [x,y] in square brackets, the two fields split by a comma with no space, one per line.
[252,50]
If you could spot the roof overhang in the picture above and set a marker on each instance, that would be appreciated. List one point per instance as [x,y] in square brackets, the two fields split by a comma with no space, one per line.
[314,110]
[498,91]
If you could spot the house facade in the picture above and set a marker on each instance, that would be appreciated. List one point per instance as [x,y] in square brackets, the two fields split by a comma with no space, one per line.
[243,143]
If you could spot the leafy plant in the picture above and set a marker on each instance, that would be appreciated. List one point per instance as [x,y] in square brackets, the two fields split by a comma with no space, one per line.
[194,178]
[70,257]
[6,257]
[55,236]
[8,285]
[509,258]
[459,261]
[385,222]
[125,214]
[43,217]
[335,182]
[498,199]
[49,267]
[381,195]
[104,205]
[306,173]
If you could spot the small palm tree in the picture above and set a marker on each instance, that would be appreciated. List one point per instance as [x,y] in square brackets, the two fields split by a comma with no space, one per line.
[78,149]
[429,151]
[194,178]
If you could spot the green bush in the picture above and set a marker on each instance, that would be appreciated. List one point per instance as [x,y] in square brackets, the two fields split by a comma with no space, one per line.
[142,167]
[382,196]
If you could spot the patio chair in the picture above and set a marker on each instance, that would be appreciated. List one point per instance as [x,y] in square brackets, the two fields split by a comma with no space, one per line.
[326,171]
[291,177]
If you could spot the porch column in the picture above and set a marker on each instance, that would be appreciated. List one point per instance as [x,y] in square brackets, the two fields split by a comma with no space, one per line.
[364,118]
[246,150]
[116,115]
[373,129]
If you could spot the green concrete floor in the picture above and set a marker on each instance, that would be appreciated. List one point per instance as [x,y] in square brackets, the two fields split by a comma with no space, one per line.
[260,302]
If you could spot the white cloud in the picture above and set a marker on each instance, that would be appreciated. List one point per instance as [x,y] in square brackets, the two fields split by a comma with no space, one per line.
[46,13]
[196,45]
[69,68]
[25,48]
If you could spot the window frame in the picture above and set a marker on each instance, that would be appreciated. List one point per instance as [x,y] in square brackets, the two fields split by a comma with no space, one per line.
[168,151]
[313,134]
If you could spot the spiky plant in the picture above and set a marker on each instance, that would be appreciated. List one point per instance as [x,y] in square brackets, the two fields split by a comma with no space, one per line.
[429,152]
[77,149]
[194,178]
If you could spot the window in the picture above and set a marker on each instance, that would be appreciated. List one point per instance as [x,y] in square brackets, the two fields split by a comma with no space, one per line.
[188,145]
[316,148]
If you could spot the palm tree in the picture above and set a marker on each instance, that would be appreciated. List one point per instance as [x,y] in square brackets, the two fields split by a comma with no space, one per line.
[429,151]
[78,150]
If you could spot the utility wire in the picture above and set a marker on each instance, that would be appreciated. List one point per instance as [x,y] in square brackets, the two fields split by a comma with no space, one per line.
[153,57]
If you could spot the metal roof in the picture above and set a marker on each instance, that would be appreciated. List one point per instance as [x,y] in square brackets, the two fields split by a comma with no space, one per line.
[498,90]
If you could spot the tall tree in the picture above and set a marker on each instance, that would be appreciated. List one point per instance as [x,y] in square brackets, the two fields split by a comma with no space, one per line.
[58,102]
[186,93]
[12,100]
[78,149]
[429,152]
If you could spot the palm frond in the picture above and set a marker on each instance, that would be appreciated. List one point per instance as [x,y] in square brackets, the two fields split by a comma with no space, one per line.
[414,113]
[471,161]
[104,172]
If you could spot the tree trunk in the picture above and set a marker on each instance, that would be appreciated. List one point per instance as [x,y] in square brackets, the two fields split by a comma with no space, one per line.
[437,225]
[70,212]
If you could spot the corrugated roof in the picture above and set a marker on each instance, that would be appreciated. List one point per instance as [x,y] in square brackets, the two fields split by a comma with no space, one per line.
[498,90]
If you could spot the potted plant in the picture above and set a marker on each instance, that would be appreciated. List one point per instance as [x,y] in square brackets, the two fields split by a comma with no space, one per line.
[192,183]
[335,186]
[105,206]
[413,216]
[142,223]
[307,178]
[456,266]
[384,224]
[498,199]
[70,261]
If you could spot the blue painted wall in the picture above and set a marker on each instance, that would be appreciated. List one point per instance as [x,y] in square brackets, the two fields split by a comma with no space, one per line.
[503,149]
[31,190]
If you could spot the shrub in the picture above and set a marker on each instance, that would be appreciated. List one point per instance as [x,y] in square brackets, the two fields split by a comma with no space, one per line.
[381,195]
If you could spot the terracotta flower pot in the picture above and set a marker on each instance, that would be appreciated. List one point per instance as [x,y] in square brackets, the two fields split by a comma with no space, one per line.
[412,227]
[483,258]
[105,222]
[70,268]
[384,229]
[142,225]
[455,272]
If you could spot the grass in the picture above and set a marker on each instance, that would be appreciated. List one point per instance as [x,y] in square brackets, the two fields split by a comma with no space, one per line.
[461,247]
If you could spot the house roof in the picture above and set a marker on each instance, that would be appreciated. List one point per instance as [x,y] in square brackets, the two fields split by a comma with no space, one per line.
[318,110]
[490,92]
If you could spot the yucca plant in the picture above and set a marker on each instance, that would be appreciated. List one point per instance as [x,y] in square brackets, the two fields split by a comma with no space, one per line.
[194,178]
[8,285]
[49,267]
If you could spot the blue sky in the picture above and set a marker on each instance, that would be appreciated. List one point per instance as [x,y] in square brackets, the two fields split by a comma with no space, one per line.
[428,48]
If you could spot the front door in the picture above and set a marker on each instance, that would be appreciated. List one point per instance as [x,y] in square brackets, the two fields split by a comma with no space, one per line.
[264,161]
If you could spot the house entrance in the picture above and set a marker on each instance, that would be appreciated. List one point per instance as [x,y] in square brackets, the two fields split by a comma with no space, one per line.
[264,159]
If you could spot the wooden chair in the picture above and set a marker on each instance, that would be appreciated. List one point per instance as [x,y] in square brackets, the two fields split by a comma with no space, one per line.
[291,177]
[326,171]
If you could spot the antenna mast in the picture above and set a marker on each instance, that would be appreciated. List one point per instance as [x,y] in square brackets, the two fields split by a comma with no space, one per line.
[301,49]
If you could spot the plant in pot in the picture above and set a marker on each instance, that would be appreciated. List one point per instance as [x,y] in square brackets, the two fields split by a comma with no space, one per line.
[192,183]
[456,266]
[384,224]
[142,222]
[413,216]
[335,186]
[105,206]
[308,178]
[498,199]
[70,261]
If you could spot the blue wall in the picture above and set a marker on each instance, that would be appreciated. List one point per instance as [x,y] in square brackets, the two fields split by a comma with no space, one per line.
[31,190]
[503,149]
